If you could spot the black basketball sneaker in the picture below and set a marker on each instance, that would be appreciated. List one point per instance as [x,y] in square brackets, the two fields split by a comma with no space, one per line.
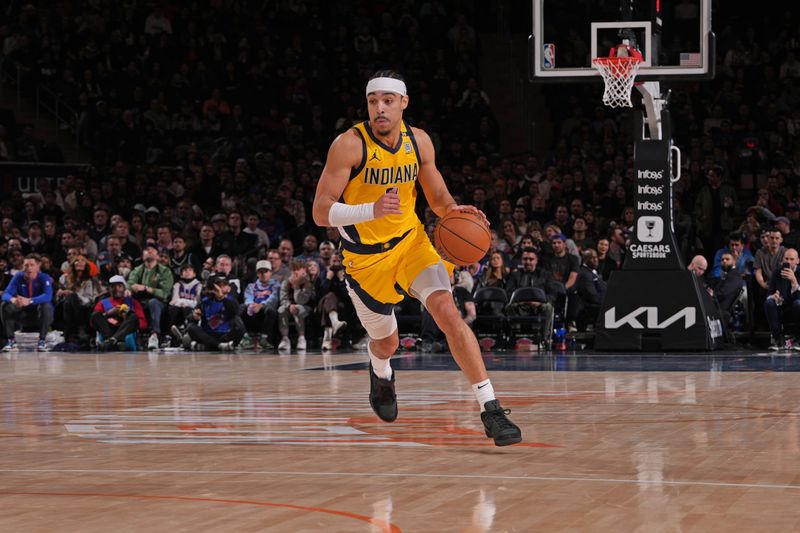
[498,426]
[382,397]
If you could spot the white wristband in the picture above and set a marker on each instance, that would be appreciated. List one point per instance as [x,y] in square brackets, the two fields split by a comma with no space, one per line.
[346,215]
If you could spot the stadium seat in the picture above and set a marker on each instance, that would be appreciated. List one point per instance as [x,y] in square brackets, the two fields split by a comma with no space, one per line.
[527,326]
[491,324]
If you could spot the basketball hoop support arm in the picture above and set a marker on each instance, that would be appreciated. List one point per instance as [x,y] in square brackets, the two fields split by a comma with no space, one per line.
[653,104]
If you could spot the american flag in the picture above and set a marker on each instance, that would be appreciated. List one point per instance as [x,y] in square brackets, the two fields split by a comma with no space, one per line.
[691,59]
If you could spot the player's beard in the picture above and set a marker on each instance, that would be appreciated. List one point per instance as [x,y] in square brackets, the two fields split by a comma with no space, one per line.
[382,128]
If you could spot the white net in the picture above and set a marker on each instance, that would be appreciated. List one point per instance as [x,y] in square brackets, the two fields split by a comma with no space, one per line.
[619,74]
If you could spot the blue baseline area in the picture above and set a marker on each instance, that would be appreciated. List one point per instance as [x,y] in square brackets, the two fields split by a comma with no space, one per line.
[601,362]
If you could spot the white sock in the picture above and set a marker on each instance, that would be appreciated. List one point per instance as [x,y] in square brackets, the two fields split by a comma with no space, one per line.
[334,317]
[380,367]
[484,392]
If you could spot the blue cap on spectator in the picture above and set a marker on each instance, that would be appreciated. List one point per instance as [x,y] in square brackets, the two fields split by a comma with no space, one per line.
[559,236]
[782,219]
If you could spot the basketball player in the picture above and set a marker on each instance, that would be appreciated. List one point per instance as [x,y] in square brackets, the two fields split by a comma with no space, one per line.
[368,190]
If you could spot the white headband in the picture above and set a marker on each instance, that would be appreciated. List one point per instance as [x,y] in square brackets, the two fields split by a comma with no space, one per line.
[392,85]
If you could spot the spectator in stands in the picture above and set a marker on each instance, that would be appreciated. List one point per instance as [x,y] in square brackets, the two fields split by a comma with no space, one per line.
[35,238]
[222,238]
[117,315]
[280,270]
[509,239]
[207,269]
[790,237]
[520,218]
[698,266]
[605,265]
[580,234]
[123,265]
[332,235]
[433,339]
[743,257]
[527,241]
[783,299]
[715,210]
[220,326]
[76,298]
[727,287]
[52,241]
[180,257]
[151,284]
[286,249]
[310,248]
[5,279]
[293,208]
[496,273]
[84,241]
[617,246]
[546,245]
[122,230]
[186,294]
[137,230]
[296,294]
[590,289]
[768,259]
[562,265]
[152,217]
[29,147]
[262,239]
[106,258]
[50,269]
[549,290]
[326,252]
[334,301]
[245,244]
[100,226]
[206,247]
[223,268]
[261,299]
[28,302]
[163,237]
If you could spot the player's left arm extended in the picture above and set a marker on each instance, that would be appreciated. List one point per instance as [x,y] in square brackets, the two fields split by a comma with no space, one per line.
[433,185]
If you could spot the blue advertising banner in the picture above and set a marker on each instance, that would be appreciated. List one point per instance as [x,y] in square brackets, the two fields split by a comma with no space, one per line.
[25,177]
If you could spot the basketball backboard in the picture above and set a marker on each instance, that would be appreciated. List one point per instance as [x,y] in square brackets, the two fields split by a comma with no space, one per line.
[674,38]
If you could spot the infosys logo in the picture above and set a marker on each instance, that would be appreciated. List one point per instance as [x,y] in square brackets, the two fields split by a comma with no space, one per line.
[650,174]
[650,206]
[650,189]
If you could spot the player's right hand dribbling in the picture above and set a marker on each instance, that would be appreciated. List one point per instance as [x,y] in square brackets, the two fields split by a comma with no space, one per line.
[388,204]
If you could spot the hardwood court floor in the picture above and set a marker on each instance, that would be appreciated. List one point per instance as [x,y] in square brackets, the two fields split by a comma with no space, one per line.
[264,442]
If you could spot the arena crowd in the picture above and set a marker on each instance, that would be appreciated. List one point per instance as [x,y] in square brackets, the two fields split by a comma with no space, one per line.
[191,225]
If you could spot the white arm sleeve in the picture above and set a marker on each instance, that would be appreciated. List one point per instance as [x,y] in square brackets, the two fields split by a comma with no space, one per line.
[346,215]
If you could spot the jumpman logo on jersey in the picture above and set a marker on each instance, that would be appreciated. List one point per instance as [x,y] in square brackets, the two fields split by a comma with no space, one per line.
[374,156]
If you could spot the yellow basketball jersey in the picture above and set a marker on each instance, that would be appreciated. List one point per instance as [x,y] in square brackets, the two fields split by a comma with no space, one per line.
[384,167]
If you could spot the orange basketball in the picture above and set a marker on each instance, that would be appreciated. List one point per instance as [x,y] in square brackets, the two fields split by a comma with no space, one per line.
[461,238]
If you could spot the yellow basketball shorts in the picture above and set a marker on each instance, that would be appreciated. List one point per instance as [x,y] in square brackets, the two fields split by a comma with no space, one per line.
[380,279]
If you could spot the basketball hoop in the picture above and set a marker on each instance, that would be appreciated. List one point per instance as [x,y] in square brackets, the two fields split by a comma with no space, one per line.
[618,74]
